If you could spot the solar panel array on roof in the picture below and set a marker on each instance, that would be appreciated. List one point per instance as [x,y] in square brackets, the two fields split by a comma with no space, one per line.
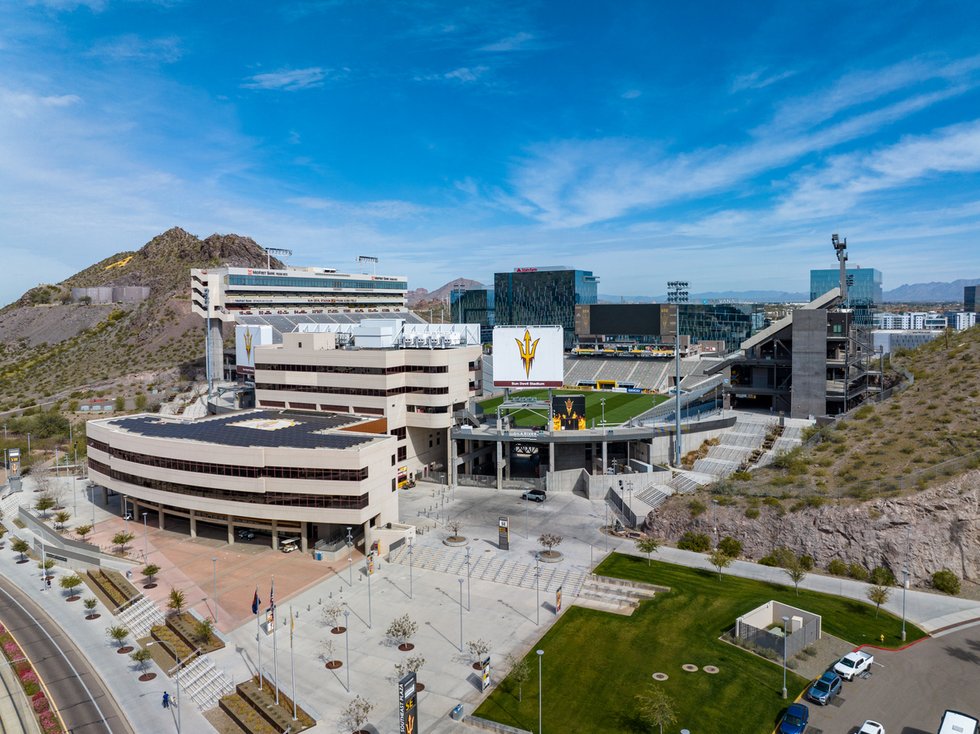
[285,323]
[259,428]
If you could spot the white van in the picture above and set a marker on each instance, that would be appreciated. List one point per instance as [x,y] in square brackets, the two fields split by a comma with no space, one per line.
[956,723]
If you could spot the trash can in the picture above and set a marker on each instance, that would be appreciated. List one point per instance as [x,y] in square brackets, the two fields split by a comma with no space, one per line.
[457,713]
[318,555]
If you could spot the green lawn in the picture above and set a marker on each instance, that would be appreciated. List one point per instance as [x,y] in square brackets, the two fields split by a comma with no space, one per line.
[594,662]
[620,407]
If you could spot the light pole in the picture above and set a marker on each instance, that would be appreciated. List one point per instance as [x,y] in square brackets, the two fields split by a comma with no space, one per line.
[632,517]
[350,558]
[469,601]
[905,586]
[92,487]
[461,615]
[367,570]
[785,635]
[411,584]
[526,503]
[602,404]
[177,677]
[537,589]
[214,582]
[540,655]
[347,643]
[145,547]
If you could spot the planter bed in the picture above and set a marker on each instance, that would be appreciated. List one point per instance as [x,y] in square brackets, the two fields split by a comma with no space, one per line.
[264,703]
[247,718]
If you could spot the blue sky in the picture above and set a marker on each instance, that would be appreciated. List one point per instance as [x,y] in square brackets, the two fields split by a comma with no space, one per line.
[721,143]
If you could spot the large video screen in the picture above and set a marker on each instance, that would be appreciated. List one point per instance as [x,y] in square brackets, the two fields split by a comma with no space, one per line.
[636,319]
[568,412]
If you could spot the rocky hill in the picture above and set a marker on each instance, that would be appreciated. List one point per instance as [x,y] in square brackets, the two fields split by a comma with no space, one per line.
[421,295]
[51,348]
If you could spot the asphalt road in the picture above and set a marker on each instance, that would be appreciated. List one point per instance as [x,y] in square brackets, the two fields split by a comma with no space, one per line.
[78,692]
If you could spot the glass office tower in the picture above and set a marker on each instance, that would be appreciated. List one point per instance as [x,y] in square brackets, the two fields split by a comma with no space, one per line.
[971,303]
[863,290]
[543,296]
[474,306]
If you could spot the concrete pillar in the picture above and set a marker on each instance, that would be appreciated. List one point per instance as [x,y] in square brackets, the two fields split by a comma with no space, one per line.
[604,458]
[552,450]
[105,495]
[275,535]
[507,452]
[500,465]
[193,525]
[231,531]
[161,518]
[303,544]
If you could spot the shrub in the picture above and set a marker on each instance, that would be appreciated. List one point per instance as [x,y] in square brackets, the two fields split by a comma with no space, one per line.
[752,513]
[730,547]
[779,557]
[946,581]
[692,541]
[806,562]
[882,576]
[697,507]
[857,571]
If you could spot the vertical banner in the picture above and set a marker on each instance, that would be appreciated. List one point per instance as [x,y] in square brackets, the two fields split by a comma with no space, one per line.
[485,674]
[503,533]
[558,601]
[408,714]
[13,457]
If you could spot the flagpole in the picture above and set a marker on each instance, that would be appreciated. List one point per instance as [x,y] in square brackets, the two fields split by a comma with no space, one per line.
[275,648]
[292,666]
[258,635]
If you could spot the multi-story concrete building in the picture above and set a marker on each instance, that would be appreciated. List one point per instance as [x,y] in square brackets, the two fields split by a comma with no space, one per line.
[413,377]
[297,476]
[889,340]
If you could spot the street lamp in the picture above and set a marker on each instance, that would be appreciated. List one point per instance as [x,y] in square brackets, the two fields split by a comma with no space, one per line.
[461,615]
[177,677]
[469,603]
[347,643]
[537,588]
[540,655]
[367,571]
[411,584]
[350,558]
[145,547]
[602,404]
[785,635]
[214,582]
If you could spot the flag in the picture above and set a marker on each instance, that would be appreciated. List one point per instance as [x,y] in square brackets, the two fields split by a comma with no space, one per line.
[272,596]
[256,602]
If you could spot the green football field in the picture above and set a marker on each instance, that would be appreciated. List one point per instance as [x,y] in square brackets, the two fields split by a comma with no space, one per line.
[619,407]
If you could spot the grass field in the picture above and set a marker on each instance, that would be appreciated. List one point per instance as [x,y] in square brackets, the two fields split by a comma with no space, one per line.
[620,407]
[594,663]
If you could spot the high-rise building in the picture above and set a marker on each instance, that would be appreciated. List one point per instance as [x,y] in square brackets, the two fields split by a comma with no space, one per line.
[544,296]
[474,306]
[863,290]
[970,300]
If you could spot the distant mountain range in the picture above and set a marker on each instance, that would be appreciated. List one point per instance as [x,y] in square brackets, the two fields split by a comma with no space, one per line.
[930,292]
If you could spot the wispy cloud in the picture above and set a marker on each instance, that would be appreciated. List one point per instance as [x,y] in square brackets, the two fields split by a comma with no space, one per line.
[70,5]
[631,94]
[518,42]
[131,47]
[461,75]
[760,79]
[389,209]
[288,80]
[24,104]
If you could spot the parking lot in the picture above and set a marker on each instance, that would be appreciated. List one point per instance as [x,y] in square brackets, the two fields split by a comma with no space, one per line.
[908,690]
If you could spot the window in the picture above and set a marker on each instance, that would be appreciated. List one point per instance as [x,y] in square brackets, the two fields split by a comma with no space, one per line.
[402,453]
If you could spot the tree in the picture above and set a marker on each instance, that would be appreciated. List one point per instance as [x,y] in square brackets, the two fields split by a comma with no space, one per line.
[122,539]
[357,712]
[411,664]
[204,631]
[3,529]
[119,403]
[402,629]
[647,545]
[47,564]
[118,633]
[69,583]
[150,570]
[519,674]
[550,541]
[61,518]
[141,401]
[655,708]
[454,526]
[720,560]
[878,595]
[20,546]
[796,573]
[44,503]
[141,657]
[90,603]
[176,601]
[82,530]
[478,649]
[327,648]
[331,615]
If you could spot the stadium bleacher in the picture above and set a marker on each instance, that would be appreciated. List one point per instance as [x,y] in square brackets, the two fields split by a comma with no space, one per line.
[644,373]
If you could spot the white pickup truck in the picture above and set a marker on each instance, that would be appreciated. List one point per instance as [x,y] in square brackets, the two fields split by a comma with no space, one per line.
[853,664]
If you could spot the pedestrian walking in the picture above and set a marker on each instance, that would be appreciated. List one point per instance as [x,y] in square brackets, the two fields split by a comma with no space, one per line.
[166,700]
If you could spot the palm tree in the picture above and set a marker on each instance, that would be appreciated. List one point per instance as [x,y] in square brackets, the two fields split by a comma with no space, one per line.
[82,530]
[61,517]
[122,540]
[150,570]
[90,603]
[176,601]
[204,631]
[118,633]
[141,657]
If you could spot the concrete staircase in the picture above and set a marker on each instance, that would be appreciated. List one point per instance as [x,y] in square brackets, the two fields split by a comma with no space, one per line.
[140,616]
[615,595]
[204,683]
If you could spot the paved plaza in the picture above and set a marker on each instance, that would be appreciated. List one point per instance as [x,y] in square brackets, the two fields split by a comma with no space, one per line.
[506,599]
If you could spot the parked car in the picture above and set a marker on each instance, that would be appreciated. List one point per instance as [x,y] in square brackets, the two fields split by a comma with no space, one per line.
[871,727]
[245,534]
[535,495]
[795,719]
[854,664]
[825,688]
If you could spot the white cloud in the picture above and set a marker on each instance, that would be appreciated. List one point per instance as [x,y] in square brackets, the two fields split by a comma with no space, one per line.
[25,104]
[517,42]
[466,74]
[131,47]
[288,80]
[384,209]
[70,5]
[631,94]
[760,79]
